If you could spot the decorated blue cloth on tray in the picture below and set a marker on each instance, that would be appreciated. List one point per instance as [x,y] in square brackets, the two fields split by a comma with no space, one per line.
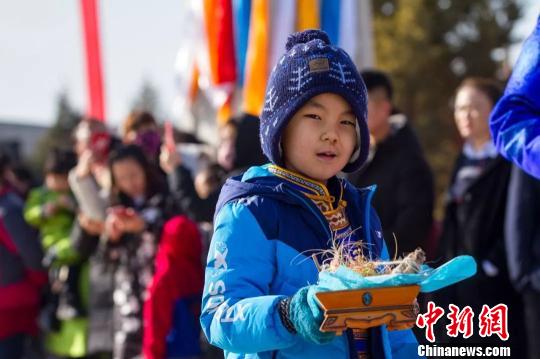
[429,279]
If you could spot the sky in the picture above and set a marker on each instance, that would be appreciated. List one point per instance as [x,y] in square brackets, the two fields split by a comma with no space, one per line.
[41,54]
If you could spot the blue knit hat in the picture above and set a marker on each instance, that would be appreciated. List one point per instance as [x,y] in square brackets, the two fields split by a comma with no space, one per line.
[309,67]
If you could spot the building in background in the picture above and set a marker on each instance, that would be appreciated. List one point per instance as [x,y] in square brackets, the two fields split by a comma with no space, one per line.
[18,139]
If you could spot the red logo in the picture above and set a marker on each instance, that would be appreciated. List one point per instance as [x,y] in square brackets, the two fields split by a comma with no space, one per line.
[460,321]
[429,319]
[490,321]
[494,321]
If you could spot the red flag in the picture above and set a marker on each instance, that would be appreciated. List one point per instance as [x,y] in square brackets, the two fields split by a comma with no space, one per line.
[221,50]
[219,29]
[96,101]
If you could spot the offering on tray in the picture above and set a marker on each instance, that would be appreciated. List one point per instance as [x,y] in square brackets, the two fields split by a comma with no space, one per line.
[358,293]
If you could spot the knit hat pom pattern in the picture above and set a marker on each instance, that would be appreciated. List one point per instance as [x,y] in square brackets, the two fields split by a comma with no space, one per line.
[311,66]
[305,37]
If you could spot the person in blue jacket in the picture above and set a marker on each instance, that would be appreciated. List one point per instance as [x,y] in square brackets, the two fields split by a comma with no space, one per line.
[270,220]
[515,120]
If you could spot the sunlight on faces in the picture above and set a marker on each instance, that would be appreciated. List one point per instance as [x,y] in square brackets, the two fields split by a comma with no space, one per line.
[84,132]
[226,151]
[471,113]
[379,109]
[320,138]
[57,182]
[129,177]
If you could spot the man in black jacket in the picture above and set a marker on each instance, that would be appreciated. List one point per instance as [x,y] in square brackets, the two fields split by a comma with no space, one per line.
[404,197]
[522,237]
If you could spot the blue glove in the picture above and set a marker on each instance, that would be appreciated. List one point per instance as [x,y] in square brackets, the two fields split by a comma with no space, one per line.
[306,317]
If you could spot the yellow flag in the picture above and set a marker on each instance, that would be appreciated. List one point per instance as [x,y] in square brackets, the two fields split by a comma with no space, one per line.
[257,58]
[307,15]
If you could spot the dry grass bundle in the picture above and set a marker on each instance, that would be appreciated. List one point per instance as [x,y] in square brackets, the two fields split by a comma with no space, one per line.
[351,255]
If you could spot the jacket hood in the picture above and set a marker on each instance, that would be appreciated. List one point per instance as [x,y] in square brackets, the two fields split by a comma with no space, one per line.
[255,181]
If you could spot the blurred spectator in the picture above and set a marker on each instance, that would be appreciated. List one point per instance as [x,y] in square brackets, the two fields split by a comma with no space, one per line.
[226,151]
[239,145]
[91,134]
[22,180]
[90,179]
[523,250]
[247,147]
[475,210]
[51,208]
[207,183]
[17,176]
[141,128]
[183,190]
[239,149]
[173,305]
[21,273]
[404,196]
[515,120]
[123,261]
[209,180]
[90,183]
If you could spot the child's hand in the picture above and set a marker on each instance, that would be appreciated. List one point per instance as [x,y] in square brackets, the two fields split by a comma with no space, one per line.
[49,209]
[305,317]
[113,227]
[66,202]
[131,222]
[168,159]
[91,226]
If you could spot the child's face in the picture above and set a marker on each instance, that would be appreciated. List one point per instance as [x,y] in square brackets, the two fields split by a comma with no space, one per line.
[320,138]
[57,182]
[129,177]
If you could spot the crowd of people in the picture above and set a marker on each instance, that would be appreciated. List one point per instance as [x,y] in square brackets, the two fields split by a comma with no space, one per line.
[107,257]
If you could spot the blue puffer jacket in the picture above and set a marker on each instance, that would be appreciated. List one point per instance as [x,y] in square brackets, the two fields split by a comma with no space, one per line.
[515,120]
[265,233]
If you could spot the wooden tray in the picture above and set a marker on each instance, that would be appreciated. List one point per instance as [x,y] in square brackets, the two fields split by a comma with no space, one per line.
[365,308]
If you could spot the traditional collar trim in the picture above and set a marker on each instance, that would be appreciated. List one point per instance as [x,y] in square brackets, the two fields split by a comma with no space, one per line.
[333,211]
[313,190]
[307,186]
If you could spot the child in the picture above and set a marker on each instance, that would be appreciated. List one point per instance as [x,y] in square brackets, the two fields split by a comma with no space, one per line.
[51,209]
[270,220]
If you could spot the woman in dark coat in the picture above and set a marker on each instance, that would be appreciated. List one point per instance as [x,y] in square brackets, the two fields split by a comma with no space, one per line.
[475,211]
[124,253]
